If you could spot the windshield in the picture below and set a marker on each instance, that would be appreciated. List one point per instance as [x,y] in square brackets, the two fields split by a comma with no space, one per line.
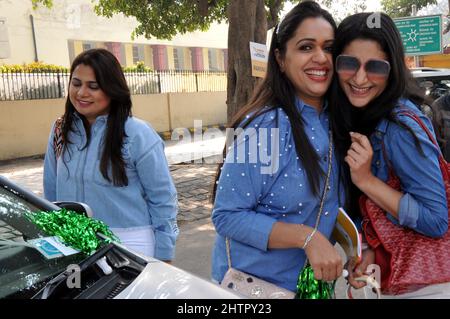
[23,269]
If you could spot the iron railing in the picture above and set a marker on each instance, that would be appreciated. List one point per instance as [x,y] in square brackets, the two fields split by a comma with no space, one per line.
[30,86]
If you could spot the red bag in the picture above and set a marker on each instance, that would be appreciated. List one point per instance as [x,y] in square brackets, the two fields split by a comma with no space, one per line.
[408,260]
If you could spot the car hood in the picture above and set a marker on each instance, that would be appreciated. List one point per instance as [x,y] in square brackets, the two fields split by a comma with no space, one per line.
[160,280]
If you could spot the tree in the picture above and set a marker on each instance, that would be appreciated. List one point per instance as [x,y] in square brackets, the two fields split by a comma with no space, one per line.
[342,8]
[403,8]
[248,21]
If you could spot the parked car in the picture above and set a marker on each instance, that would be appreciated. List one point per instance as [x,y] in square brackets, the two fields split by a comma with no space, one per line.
[435,81]
[112,271]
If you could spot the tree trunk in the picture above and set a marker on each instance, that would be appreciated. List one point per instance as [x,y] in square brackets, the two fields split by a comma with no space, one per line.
[247,22]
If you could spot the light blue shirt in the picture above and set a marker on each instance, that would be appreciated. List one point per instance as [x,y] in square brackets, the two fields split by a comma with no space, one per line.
[150,197]
[253,194]
[423,206]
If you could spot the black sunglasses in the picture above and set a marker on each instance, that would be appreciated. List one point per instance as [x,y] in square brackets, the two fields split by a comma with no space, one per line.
[347,65]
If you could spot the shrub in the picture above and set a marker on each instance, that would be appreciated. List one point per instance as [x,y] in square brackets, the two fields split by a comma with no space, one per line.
[33,67]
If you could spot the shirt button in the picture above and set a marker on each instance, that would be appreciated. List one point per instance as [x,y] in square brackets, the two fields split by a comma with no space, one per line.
[378,163]
[326,213]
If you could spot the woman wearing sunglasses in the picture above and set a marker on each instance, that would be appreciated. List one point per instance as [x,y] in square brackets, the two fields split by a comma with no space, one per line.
[370,91]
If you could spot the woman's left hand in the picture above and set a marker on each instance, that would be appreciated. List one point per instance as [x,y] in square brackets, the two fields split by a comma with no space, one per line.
[359,158]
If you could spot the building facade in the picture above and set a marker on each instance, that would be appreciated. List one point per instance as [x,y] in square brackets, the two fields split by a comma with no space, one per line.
[59,34]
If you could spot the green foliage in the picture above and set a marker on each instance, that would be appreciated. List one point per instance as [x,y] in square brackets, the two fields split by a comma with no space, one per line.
[47,3]
[34,67]
[139,67]
[163,19]
[403,8]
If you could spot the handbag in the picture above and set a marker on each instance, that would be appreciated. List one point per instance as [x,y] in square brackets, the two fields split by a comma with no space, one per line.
[253,287]
[249,286]
[408,260]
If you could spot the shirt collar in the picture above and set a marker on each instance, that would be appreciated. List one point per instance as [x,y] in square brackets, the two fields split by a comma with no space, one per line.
[301,105]
[100,118]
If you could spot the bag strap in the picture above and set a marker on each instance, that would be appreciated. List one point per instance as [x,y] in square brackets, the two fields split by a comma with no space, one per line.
[322,200]
[412,115]
[442,161]
[58,142]
[422,125]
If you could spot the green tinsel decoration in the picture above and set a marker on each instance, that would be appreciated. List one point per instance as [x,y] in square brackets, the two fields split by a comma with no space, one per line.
[310,288]
[72,228]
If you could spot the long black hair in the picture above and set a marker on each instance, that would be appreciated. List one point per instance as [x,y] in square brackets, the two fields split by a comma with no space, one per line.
[111,80]
[346,118]
[276,90]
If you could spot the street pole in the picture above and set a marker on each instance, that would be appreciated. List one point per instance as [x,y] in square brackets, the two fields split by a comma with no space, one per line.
[414,13]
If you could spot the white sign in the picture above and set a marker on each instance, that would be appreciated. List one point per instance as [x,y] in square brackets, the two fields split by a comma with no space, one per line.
[259,57]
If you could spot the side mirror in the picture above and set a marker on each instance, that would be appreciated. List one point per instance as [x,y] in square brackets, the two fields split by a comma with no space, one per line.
[78,207]
[426,84]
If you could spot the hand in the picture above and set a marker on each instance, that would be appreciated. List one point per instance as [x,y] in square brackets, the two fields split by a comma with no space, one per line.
[323,258]
[359,158]
[355,271]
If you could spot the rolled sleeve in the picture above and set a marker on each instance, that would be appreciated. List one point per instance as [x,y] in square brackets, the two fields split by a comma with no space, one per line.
[423,207]
[408,212]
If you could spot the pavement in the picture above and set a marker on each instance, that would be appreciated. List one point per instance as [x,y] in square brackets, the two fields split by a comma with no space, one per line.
[193,163]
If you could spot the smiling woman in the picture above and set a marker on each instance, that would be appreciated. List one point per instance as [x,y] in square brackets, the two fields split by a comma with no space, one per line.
[85,94]
[100,155]
[390,163]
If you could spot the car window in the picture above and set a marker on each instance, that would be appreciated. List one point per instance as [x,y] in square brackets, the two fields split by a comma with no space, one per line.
[24,270]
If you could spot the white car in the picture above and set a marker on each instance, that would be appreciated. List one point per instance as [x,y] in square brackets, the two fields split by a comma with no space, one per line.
[112,271]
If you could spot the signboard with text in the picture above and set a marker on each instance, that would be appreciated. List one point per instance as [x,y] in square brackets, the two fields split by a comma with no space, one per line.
[258,53]
[421,35]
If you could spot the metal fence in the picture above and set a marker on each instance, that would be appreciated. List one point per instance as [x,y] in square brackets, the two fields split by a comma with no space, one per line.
[30,86]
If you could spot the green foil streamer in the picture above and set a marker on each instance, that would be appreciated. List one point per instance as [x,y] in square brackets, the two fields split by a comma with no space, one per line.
[73,229]
[310,288]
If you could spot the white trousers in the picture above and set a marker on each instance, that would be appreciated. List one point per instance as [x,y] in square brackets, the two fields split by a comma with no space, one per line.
[138,239]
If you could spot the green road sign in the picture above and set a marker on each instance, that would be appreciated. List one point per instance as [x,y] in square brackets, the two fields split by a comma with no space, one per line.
[421,35]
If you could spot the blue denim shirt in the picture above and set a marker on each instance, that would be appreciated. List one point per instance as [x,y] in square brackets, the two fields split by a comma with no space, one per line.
[423,206]
[150,197]
[254,194]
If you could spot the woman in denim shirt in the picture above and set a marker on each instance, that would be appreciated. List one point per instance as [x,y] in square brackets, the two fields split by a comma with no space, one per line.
[268,193]
[373,85]
[112,161]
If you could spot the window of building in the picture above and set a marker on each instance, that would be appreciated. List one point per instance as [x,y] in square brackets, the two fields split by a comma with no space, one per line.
[4,40]
[176,60]
[87,46]
[212,60]
[135,54]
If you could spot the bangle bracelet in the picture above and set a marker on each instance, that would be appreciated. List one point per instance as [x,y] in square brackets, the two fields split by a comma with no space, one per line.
[308,239]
